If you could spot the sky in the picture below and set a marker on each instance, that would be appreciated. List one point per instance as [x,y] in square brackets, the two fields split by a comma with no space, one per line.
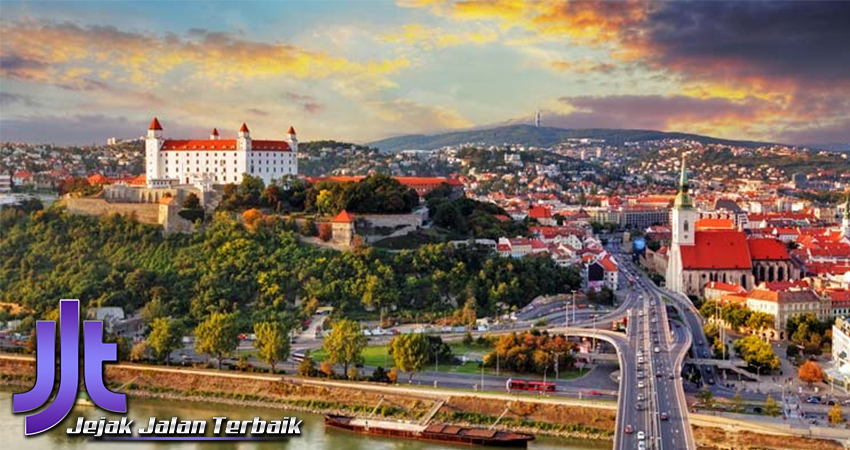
[80,72]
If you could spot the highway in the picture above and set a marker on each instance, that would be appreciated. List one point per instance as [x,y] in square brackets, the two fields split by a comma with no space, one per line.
[660,347]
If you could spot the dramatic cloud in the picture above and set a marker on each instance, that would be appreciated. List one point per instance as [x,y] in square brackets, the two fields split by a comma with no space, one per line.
[653,112]
[59,52]
[583,66]
[803,42]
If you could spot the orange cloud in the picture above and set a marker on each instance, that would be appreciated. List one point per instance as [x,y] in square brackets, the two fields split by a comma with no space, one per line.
[433,38]
[63,53]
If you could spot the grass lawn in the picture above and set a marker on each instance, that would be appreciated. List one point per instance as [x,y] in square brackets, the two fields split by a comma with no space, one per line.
[372,356]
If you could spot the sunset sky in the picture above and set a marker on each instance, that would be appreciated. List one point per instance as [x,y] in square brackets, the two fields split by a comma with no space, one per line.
[359,71]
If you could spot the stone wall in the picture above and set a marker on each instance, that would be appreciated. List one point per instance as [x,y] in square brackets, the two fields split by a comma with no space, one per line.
[144,212]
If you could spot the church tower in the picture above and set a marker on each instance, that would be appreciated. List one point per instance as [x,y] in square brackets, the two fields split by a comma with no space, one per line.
[845,222]
[153,142]
[683,224]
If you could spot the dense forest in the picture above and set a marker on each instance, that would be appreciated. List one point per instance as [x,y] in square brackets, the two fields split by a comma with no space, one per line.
[260,273]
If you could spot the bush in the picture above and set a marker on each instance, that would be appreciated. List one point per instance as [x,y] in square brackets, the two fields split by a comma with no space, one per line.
[325,232]
[379,375]
[467,338]
[327,368]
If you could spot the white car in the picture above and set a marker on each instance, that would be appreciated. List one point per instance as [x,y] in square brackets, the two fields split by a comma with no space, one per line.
[640,384]
[640,435]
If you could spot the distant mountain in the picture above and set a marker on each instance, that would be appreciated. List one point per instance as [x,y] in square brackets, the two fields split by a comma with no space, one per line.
[529,135]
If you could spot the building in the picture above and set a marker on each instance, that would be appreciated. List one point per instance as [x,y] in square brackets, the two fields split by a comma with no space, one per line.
[716,289]
[839,373]
[342,228]
[643,218]
[697,257]
[785,302]
[5,183]
[217,161]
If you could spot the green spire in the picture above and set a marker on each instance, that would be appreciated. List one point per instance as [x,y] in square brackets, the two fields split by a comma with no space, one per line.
[683,199]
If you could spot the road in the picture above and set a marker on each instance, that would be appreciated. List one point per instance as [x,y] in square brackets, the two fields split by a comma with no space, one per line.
[660,347]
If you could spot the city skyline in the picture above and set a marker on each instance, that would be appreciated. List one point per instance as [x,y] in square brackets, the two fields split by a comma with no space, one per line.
[82,72]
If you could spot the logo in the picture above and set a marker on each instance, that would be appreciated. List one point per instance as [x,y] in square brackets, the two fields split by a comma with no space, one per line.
[95,353]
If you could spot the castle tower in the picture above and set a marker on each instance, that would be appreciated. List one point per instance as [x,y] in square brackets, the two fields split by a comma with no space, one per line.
[214,135]
[683,224]
[243,150]
[537,119]
[153,143]
[845,222]
[293,156]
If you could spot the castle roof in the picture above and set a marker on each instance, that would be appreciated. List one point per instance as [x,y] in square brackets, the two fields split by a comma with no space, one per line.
[223,144]
[215,132]
[291,130]
[244,128]
[155,125]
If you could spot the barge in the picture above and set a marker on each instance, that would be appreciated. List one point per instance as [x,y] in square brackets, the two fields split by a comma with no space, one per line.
[434,432]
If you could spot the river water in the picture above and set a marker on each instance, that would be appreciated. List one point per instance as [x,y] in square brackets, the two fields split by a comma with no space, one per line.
[314,436]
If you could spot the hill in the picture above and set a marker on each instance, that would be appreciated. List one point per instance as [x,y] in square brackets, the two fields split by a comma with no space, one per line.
[537,137]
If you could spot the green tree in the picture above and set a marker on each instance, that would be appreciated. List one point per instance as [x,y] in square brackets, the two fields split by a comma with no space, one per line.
[410,352]
[737,402]
[217,336]
[706,397]
[345,343]
[757,353]
[192,201]
[165,337]
[835,416]
[770,406]
[307,366]
[272,343]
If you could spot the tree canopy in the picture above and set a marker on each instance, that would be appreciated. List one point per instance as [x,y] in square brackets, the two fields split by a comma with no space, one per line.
[345,344]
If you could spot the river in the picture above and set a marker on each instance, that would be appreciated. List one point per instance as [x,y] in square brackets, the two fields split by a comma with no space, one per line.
[314,435]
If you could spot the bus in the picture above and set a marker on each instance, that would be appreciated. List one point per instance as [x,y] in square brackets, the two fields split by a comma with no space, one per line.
[523,385]
[298,356]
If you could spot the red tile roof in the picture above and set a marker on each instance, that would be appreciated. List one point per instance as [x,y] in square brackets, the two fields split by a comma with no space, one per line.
[722,250]
[343,217]
[720,286]
[608,264]
[540,212]
[767,249]
[717,224]
[222,144]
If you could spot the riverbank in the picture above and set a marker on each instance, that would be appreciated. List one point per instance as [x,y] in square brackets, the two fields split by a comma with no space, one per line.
[314,396]
[585,421]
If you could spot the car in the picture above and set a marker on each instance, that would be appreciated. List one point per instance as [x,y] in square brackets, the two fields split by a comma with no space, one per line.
[641,385]
[813,399]
[629,429]
[711,380]
[664,416]
[639,406]
[655,340]
[657,350]
[671,376]
[658,374]
[640,360]
[640,375]
[641,445]
[640,397]
[708,370]
[641,435]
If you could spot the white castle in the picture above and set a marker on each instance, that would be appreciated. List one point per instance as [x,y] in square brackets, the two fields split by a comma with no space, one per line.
[210,161]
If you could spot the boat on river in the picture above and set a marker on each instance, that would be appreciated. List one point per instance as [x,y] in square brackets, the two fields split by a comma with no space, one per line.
[433,432]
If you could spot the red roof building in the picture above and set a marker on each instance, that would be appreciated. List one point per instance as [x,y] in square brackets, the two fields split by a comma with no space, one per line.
[343,217]
[717,250]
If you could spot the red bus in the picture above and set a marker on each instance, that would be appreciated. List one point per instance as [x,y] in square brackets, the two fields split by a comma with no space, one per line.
[523,385]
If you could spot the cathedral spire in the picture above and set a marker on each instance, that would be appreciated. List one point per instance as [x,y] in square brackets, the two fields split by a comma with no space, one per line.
[683,199]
